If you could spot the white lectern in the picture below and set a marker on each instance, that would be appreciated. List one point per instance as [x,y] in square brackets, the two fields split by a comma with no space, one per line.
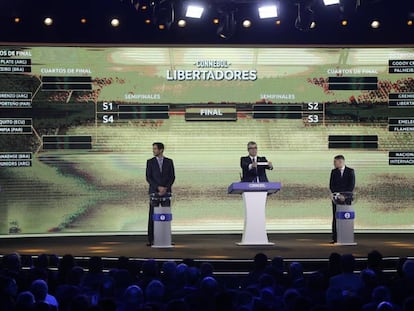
[254,199]
[345,217]
[162,221]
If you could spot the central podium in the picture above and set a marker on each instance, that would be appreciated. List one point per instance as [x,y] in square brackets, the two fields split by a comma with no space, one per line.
[254,199]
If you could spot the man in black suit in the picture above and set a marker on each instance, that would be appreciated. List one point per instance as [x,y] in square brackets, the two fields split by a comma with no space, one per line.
[160,177]
[252,169]
[342,180]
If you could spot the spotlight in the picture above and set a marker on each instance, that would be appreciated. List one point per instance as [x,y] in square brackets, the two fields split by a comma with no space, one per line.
[268,11]
[17,20]
[181,23]
[375,24]
[331,2]
[48,21]
[194,11]
[83,20]
[227,23]
[304,21]
[115,22]
[344,22]
[147,21]
[246,23]
[410,22]
[278,22]
[216,21]
[144,7]
[163,14]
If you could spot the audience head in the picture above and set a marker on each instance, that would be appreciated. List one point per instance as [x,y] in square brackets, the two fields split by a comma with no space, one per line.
[209,285]
[8,286]
[245,299]
[347,263]
[123,263]
[290,298]
[53,261]
[169,270]
[408,269]
[334,263]
[76,275]
[296,270]
[400,264]
[260,261]
[381,293]
[374,260]
[192,275]
[42,261]
[133,296]
[266,280]
[150,268]
[278,263]
[80,303]
[25,301]
[39,290]
[368,277]
[12,262]
[181,273]
[155,291]
[385,306]
[95,264]
[206,269]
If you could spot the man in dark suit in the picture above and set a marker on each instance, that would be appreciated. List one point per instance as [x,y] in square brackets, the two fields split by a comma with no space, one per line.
[252,166]
[160,177]
[342,180]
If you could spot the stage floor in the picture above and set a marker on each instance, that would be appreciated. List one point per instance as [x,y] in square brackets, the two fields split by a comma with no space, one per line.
[210,246]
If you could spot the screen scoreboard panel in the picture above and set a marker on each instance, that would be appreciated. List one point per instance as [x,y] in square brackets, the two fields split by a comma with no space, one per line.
[77,125]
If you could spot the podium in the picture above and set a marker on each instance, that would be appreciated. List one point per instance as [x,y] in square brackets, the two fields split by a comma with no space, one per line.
[345,216]
[162,218]
[254,199]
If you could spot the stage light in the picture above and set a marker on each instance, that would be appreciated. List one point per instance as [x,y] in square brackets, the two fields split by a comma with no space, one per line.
[331,2]
[48,21]
[144,7]
[267,11]
[278,22]
[83,20]
[216,21]
[227,23]
[115,22]
[246,23]
[375,24]
[164,14]
[194,11]
[305,20]
[410,22]
[344,22]
[182,23]
[147,21]
[17,20]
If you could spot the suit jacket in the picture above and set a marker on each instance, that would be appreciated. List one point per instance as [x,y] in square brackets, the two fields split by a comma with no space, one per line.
[251,175]
[344,183]
[156,178]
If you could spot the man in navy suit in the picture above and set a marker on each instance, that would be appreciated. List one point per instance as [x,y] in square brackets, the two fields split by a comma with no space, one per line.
[252,169]
[342,180]
[160,177]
